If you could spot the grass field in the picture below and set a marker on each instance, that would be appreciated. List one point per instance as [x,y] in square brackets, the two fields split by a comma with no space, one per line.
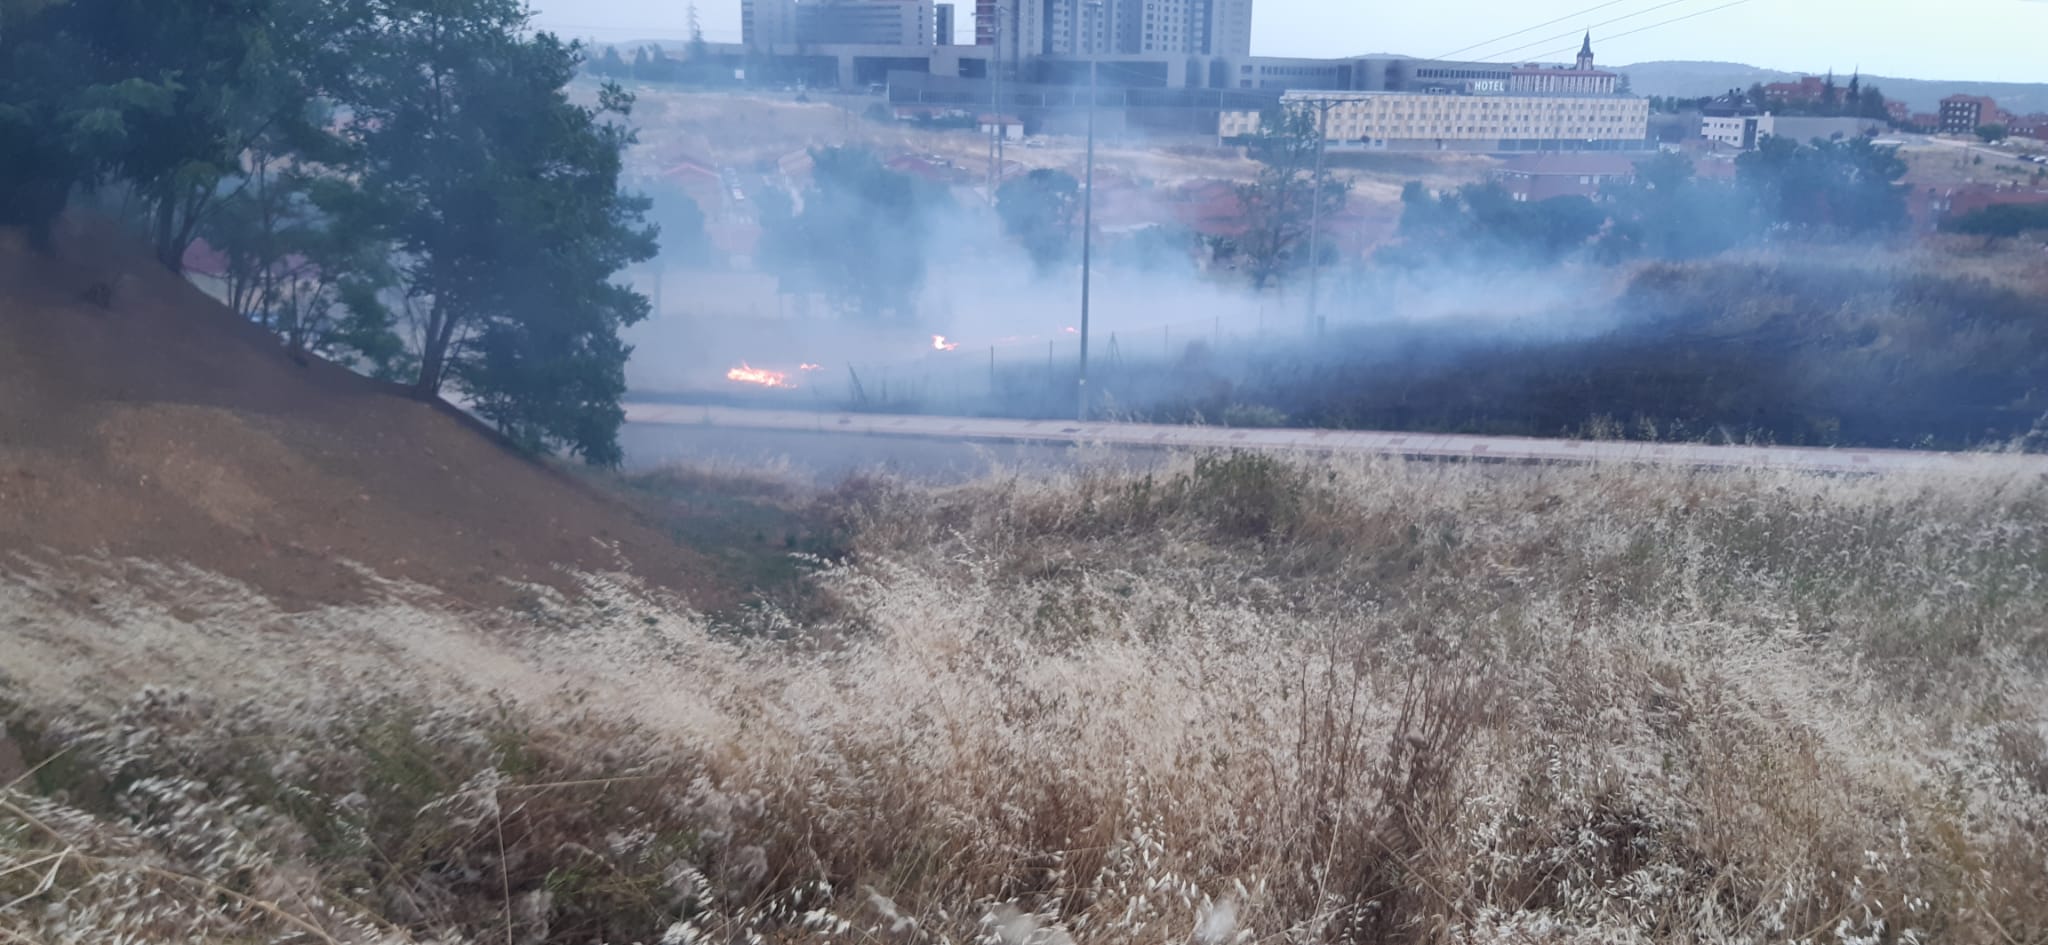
[1240,700]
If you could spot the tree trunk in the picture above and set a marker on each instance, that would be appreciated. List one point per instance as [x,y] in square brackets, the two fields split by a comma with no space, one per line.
[36,203]
[428,385]
[434,355]
[167,250]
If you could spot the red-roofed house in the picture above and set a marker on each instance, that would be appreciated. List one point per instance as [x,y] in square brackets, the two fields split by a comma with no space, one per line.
[1933,206]
[1012,126]
[1536,177]
[697,179]
[1808,90]
[2033,126]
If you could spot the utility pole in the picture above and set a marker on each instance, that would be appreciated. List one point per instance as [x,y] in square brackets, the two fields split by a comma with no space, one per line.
[1002,128]
[1088,215]
[1315,215]
[995,108]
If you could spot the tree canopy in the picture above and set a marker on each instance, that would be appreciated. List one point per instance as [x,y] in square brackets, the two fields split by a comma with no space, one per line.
[1483,224]
[1838,187]
[1038,211]
[1280,204]
[401,185]
[1851,185]
[859,238]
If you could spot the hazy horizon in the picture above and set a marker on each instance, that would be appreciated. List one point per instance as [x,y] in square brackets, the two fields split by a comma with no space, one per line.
[1889,39]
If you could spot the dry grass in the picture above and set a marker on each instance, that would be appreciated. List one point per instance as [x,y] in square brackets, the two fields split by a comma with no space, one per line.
[1244,700]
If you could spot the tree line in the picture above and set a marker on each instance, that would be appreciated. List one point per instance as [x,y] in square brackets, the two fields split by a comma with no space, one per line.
[864,230]
[1848,187]
[651,63]
[1856,100]
[402,186]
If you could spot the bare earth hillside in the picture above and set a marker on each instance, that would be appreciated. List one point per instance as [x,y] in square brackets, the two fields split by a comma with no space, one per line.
[160,426]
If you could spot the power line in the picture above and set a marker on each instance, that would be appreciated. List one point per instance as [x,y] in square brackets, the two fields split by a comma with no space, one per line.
[1551,39]
[1644,29]
[1533,29]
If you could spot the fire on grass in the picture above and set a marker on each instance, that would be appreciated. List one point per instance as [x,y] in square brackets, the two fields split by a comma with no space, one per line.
[748,374]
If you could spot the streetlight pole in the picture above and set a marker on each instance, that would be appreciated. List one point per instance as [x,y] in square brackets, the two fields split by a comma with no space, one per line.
[1088,215]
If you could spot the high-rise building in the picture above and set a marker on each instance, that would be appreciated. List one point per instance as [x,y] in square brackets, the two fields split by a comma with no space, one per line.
[1027,28]
[985,13]
[769,23]
[1230,28]
[942,33]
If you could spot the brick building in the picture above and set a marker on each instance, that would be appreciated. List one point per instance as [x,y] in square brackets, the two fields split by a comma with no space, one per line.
[1809,90]
[1532,178]
[1964,114]
[1932,206]
[2033,126]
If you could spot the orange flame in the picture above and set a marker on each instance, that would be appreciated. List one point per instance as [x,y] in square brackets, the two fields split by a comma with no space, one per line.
[808,366]
[939,343]
[747,374]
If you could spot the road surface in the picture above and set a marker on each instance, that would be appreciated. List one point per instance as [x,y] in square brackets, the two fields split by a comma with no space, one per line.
[651,417]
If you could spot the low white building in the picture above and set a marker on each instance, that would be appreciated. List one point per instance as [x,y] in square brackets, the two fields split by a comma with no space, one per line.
[1012,127]
[1746,132]
[1503,121]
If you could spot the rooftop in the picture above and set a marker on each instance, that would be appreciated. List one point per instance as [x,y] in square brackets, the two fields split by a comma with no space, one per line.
[1295,95]
[1571,165]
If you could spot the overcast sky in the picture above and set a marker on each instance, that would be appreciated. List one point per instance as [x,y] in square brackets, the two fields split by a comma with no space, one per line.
[1989,40]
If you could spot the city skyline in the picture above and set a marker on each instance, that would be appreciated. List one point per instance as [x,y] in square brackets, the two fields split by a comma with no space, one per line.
[1882,39]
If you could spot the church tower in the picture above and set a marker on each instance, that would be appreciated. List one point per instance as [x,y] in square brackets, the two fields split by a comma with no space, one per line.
[1586,54]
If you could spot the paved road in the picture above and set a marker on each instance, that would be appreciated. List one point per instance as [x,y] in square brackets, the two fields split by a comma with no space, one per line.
[1351,442]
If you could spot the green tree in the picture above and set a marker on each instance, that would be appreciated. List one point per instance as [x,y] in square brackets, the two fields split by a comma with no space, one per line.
[1483,224]
[860,238]
[501,198]
[305,272]
[1159,246]
[1850,185]
[652,64]
[1669,213]
[1280,204]
[1038,210]
[157,96]
[684,241]
[1991,134]
[2003,220]
[611,65]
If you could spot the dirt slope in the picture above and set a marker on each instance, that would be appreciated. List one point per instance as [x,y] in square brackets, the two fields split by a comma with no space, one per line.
[161,426]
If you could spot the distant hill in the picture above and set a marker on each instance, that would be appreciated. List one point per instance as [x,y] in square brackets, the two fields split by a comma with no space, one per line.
[1692,79]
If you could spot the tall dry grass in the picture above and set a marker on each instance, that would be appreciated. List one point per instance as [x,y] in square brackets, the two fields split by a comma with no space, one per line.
[1238,700]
